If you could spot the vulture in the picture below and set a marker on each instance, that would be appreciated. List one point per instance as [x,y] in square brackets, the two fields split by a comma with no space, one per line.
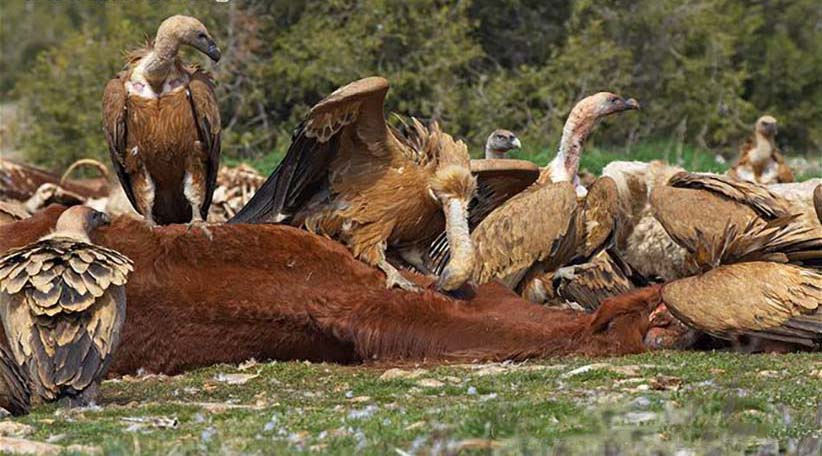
[62,301]
[535,231]
[350,176]
[15,396]
[162,125]
[759,159]
[499,143]
[763,281]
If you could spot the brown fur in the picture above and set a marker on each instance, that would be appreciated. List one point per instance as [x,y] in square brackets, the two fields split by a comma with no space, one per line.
[275,292]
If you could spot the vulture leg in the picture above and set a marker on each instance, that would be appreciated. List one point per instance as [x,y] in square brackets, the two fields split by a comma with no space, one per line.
[143,187]
[393,277]
[194,184]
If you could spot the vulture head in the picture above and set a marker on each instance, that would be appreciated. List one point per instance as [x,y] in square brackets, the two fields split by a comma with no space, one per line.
[453,186]
[189,31]
[77,222]
[578,126]
[766,126]
[500,142]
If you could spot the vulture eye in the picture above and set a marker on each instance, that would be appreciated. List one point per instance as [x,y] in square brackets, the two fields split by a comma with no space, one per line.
[614,100]
[202,36]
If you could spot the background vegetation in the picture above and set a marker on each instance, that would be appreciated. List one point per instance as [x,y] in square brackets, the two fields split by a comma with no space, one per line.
[703,70]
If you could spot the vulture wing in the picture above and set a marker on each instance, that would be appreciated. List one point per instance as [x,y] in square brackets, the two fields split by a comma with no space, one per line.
[599,215]
[497,181]
[114,125]
[63,303]
[769,300]
[207,118]
[349,123]
[757,197]
[15,396]
[817,201]
[531,227]
[591,283]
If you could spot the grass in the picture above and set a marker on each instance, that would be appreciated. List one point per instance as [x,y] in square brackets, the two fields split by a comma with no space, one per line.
[654,403]
[595,158]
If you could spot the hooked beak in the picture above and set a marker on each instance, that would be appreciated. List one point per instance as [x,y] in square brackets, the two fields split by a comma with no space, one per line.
[631,103]
[516,144]
[770,129]
[213,52]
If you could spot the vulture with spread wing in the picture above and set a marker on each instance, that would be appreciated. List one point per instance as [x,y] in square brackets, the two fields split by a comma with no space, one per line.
[162,125]
[351,176]
[759,159]
[62,301]
[536,231]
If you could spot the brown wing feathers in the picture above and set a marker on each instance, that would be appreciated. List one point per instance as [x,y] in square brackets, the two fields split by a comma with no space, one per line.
[207,119]
[60,301]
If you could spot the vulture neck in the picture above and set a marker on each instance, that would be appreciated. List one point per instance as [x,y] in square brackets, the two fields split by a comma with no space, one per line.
[160,61]
[763,147]
[491,153]
[461,265]
[565,166]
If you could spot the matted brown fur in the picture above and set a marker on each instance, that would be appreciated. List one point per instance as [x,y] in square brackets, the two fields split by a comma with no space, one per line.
[276,292]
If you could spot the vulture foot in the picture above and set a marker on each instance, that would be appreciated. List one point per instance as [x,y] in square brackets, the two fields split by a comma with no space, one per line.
[394,278]
[203,226]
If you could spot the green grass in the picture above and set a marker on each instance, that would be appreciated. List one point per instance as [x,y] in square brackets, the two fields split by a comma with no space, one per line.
[595,158]
[719,401]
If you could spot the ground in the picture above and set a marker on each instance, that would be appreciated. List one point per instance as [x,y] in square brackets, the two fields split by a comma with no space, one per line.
[657,403]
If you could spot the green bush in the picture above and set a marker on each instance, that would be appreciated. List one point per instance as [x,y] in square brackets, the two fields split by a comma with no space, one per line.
[703,70]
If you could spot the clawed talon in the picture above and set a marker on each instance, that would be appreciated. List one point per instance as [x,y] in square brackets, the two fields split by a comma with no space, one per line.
[203,226]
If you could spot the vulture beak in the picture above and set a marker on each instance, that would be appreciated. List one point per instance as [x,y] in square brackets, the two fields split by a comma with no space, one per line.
[770,129]
[213,52]
[461,265]
[516,144]
[631,103]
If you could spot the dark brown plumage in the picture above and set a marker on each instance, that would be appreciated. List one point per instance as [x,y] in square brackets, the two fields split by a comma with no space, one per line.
[817,201]
[15,396]
[62,302]
[162,125]
[350,176]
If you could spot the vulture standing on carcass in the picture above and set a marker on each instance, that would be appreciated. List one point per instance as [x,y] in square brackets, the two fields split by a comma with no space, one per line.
[15,396]
[760,283]
[499,143]
[351,176]
[535,231]
[62,301]
[162,125]
[759,159]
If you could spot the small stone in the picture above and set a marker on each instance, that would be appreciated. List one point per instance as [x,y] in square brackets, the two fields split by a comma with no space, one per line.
[639,417]
[430,383]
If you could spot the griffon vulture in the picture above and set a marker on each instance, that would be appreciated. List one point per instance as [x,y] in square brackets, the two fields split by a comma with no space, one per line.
[763,282]
[62,301]
[759,159]
[162,125]
[499,143]
[535,231]
[350,176]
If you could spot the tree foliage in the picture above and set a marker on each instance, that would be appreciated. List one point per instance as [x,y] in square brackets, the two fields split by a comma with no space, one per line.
[703,70]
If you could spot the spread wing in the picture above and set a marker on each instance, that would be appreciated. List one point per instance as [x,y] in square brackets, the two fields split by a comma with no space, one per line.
[207,118]
[348,129]
[15,396]
[497,181]
[766,204]
[770,300]
[63,304]
[114,126]
[531,227]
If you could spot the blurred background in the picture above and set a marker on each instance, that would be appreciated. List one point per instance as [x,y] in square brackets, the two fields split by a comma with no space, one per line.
[703,70]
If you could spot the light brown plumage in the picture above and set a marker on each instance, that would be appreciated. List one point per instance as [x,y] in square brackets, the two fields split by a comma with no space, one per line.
[759,159]
[764,299]
[350,176]
[536,231]
[162,125]
[62,302]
